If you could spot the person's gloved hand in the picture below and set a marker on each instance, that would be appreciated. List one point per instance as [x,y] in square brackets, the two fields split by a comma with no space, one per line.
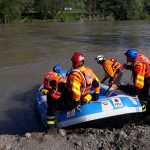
[102,81]
[128,67]
[95,96]
[110,81]
[78,108]
[136,91]
[87,98]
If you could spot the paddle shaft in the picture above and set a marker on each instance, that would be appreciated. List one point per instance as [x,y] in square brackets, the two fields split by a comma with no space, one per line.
[107,90]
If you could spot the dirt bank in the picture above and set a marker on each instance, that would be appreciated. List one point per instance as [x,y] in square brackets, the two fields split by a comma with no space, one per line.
[130,137]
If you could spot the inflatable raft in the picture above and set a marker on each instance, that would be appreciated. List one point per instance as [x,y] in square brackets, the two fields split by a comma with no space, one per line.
[112,108]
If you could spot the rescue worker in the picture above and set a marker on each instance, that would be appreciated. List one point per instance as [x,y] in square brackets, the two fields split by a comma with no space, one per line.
[54,88]
[113,70]
[140,67]
[79,83]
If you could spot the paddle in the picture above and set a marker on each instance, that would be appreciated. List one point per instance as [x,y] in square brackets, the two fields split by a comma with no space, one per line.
[108,89]
[105,78]
[112,92]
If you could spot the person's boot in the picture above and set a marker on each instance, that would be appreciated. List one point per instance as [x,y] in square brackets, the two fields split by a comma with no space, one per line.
[51,122]
[144,106]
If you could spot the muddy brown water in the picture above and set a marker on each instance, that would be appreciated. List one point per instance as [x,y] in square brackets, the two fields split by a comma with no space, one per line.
[29,50]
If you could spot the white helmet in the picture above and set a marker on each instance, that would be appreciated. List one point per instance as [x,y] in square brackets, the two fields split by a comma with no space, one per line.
[99,58]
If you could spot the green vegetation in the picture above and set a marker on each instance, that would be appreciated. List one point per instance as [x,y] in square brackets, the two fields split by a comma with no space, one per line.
[71,10]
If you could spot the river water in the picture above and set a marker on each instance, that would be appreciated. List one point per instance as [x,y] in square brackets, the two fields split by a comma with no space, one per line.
[29,50]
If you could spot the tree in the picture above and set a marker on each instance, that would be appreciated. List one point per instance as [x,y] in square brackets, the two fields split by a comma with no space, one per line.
[50,8]
[105,8]
[147,6]
[134,9]
[120,9]
[9,11]
[26,5]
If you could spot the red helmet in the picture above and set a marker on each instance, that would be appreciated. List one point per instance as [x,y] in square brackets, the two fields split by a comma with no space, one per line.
[77,60]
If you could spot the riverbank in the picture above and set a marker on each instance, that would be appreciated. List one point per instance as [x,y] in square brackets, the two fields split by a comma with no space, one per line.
[131,136]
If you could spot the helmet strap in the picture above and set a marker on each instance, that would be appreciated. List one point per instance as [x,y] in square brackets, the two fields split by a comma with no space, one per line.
[100,62]
[81,64]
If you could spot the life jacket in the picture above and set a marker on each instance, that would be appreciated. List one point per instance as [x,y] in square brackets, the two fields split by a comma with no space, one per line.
[55,92]
[86,81]
[116,65]
[51,82]
[48,76]
[143,59]
[138,79]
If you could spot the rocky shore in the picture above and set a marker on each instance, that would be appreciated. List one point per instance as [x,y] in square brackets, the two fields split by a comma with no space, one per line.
[129,137]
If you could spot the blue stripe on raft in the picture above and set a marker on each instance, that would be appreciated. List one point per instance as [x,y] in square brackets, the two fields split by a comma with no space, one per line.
[86,109]
[96,107]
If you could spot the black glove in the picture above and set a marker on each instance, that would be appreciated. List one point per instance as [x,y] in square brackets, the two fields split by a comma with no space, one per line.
[105,78]
[102,81]
[128,67]
[110,80]
[134,91]
[137,91]
[72,105]
[95,96]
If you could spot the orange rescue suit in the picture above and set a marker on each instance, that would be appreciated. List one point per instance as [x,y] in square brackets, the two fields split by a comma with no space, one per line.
[111,66]
[141,70]
[79,82]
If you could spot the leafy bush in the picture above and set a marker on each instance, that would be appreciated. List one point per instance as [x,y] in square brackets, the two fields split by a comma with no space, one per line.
[66,16]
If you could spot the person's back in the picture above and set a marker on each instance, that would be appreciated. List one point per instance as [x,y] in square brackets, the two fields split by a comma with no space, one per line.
[111,66]
[113,69]
[57,86]
[79,82]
